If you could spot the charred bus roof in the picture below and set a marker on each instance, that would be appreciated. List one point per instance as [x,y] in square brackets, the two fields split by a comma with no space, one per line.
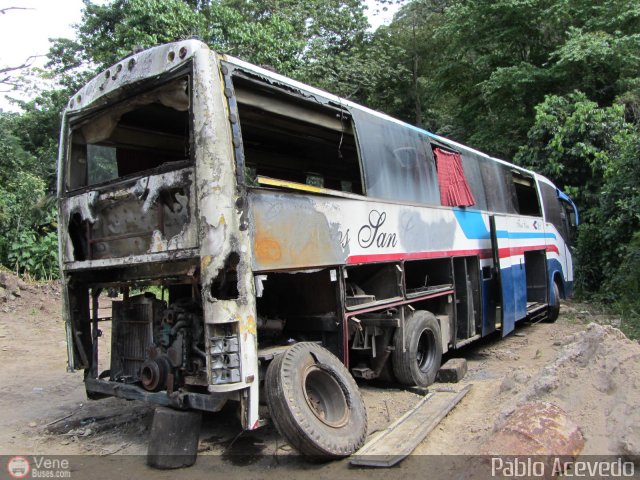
[161,60]
[142,66]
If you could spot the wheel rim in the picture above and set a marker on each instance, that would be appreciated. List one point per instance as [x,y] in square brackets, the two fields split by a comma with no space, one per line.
[426,351]
[325,397]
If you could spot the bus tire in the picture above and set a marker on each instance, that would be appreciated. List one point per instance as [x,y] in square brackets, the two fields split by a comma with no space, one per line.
[420,362]
[554,308]
[315,403]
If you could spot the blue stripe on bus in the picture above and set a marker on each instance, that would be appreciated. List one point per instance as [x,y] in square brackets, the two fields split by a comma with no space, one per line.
[472,224]
[474,228]
[505,234]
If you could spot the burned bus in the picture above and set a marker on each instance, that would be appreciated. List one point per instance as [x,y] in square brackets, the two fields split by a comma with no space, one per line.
[270,242]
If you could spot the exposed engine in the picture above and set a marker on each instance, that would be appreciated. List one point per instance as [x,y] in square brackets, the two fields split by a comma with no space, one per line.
[159,346]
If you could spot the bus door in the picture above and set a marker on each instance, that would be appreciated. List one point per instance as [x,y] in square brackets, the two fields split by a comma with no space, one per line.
[510,275]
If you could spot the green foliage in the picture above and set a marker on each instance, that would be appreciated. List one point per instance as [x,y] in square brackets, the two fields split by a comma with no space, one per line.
[486,64]
[626,284]
[289,36]
[38,129]
[360,73]
[571,141]
[109,32]
[592,153]
[35,255]
[269,41]
[23,199]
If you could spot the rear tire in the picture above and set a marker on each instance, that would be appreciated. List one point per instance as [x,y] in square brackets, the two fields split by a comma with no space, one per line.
[419,364]
[315,403]
[554,308]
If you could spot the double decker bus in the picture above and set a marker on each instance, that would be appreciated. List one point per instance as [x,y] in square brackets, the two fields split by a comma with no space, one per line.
[270,242]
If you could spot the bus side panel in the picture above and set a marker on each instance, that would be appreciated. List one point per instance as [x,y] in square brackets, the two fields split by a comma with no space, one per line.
[559,263]
[295,231]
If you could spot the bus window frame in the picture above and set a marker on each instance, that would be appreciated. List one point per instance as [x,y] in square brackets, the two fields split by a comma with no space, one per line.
[569,216]
[252,82]
[77,119]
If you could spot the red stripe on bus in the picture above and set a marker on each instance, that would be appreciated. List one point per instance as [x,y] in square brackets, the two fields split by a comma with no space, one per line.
[508,252]
[483,253]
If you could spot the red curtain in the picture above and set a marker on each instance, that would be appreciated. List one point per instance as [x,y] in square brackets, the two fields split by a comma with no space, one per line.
[454,189]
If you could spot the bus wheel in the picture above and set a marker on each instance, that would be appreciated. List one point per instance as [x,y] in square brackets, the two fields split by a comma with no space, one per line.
[314,402]
[554,308]
[420,362]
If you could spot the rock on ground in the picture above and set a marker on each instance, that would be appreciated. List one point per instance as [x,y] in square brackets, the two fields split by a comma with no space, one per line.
[595,378]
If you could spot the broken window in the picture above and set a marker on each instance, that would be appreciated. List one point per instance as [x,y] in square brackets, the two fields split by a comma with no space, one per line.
[498,186]
[145,132]
[292,139]
[454,189]
[526,194]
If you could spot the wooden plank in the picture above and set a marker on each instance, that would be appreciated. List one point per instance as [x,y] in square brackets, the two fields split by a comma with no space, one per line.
[403,436]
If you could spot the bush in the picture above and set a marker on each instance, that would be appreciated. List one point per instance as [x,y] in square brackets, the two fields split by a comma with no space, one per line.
[625,285]
[35,255]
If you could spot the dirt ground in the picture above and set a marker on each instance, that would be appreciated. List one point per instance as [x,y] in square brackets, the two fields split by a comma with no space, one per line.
[589,370]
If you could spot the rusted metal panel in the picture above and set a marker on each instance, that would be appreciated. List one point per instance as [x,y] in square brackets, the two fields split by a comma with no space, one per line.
[290,231]
[220,229]
[153,214]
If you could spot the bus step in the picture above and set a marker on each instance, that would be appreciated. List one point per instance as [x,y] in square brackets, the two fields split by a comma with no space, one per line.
[538,313]
[466,341]
[400,438]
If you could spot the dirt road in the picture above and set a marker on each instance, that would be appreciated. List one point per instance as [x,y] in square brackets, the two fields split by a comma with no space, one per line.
[43,409]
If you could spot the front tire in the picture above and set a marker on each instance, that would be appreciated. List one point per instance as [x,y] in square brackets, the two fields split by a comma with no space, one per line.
[420,362]
[554,308]
[315,403]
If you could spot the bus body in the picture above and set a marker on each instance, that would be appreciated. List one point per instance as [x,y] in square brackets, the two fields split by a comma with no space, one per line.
[270,213]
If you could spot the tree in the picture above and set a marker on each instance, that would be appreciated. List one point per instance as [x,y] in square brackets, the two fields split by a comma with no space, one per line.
[21,191]
[8,79]
[571,141]
[592,153]
[492,62]
[38,129]
[285,35]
